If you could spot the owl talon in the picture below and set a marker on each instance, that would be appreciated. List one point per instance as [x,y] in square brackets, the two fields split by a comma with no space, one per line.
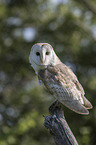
[53,106]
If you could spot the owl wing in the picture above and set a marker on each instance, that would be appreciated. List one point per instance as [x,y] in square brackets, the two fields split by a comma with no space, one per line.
[78,86]
[64,86]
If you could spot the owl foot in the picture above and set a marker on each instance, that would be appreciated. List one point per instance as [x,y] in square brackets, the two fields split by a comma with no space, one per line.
[53,106]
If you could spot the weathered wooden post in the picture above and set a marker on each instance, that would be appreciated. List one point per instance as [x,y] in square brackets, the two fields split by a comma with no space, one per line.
[58,126]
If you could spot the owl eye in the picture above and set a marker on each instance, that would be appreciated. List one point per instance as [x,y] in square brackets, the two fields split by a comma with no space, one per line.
[47,53]
[37,53]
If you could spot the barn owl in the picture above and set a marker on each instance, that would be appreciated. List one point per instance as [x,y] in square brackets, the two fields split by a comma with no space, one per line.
[59,79]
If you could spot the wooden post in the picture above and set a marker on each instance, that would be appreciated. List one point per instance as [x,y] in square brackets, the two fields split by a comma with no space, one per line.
[58,126]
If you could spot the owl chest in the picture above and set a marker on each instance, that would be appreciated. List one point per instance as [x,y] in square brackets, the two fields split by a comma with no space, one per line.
[48,77]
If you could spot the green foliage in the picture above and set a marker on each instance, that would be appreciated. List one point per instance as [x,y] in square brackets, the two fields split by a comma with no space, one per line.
[70,27]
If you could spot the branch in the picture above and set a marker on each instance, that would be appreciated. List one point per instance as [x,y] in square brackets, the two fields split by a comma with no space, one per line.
[88,5]
[58,126]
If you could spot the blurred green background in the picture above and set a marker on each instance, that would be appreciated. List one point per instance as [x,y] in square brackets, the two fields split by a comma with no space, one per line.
[70,27]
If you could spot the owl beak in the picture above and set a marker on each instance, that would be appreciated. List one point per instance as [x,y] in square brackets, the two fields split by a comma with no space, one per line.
[43,57]
[42,60]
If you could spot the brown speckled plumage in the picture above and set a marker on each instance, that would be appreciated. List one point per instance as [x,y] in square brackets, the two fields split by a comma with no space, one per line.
[64,85]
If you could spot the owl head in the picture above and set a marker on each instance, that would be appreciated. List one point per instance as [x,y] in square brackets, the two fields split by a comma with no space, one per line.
[42,55]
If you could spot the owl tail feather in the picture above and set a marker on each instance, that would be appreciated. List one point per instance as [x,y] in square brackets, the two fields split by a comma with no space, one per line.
[76,107]
[87,104]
